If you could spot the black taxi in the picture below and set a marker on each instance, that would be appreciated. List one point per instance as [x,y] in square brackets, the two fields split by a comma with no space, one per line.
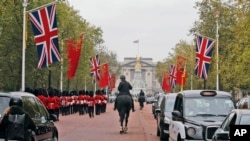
[198,113]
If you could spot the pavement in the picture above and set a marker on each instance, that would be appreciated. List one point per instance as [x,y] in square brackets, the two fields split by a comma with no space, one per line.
[106,126]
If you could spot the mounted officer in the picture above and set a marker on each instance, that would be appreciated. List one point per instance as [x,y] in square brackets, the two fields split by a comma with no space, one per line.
[124,89]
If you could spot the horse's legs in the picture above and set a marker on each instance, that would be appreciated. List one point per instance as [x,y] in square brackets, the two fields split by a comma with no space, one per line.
[122,116]
[126,117]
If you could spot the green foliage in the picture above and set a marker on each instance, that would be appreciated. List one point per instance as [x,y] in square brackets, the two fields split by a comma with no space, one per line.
[233,45]
[70,25]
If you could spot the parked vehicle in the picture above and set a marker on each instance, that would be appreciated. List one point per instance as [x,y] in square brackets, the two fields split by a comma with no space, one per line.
[150,99]
[164,116]
[244,103]
[198,113]
[235,117]
[111,98]
[156,104]
[45,127]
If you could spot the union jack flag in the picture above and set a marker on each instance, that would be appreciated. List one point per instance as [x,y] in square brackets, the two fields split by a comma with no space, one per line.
[172,76]
[95,67]
[204,48]
[44,26]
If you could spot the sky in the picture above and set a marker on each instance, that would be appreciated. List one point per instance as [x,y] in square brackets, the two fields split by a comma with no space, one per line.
[158,25]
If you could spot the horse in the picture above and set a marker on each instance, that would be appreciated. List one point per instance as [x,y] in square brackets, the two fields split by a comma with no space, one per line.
[124,105]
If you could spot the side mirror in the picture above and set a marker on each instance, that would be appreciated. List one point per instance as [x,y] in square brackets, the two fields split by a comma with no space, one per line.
[176,115]
[222,136]
[158,110]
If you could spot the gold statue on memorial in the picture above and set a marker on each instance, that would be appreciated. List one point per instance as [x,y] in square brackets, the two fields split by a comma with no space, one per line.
[138,63]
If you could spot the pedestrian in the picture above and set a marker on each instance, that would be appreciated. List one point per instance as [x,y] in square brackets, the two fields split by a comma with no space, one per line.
[141,99]
[16,123]
[124,87]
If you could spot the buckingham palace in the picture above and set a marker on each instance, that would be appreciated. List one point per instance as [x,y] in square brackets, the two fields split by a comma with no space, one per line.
[140,72]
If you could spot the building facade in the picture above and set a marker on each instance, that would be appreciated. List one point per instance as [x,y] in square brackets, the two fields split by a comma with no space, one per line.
[147,71]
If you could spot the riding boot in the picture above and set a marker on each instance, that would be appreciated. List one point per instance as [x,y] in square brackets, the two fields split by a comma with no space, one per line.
[133,107]
[115,106]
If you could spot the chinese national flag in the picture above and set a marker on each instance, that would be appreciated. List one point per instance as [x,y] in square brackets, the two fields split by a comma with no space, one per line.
[112,81]
[74,50]
[180,68]
[165,82]
[104,76]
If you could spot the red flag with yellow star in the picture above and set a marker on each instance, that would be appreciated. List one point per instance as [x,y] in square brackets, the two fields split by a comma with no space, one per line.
[104,76]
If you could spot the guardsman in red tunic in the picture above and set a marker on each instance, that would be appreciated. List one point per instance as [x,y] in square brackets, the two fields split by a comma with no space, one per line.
[69,103]
[42,96]
[75,101]
[51,101]
[39,95]
[86,97]
[57,103]
[104,101]
[91,104]
[98,102]
[81,102]
[63,100]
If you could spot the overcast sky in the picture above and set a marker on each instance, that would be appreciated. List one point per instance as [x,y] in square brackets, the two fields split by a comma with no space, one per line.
[157,24]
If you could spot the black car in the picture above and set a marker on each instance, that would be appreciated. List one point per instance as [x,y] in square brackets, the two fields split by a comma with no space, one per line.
[164,117]
[156,104]
[235,117]
[45,127]
[198,113]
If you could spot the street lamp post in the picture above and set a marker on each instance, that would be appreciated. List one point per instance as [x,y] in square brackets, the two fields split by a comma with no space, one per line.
[25,3]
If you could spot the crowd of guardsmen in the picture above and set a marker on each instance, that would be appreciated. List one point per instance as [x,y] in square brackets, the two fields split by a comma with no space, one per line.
[66,103]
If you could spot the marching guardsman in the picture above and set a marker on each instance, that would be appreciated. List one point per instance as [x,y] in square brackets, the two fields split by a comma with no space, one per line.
[104,101]
[57,103]
[51,101]
[41,96]
[98,102]
[81,102]
[63,100]
[75,101]
[91,104]
[70,103]
[85,101]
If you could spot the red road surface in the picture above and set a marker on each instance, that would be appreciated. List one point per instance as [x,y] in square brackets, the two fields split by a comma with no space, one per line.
[106,127]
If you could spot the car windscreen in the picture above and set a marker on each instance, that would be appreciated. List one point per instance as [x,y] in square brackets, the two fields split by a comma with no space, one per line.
[4,103]
[208,106]
[245,119]
[169,106]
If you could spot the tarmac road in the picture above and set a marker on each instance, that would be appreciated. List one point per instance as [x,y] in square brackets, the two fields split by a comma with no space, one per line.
[106,127]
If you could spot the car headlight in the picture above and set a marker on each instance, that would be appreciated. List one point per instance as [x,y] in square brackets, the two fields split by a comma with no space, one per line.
[166,120]
[191,131]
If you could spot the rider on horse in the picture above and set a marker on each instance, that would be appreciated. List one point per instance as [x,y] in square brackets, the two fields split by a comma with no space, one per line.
[124,88]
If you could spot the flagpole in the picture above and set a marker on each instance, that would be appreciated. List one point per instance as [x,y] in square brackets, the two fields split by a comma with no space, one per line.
[84,67]
[61,79]
[138,48]
[192,64]
[25,3]
[217,50]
